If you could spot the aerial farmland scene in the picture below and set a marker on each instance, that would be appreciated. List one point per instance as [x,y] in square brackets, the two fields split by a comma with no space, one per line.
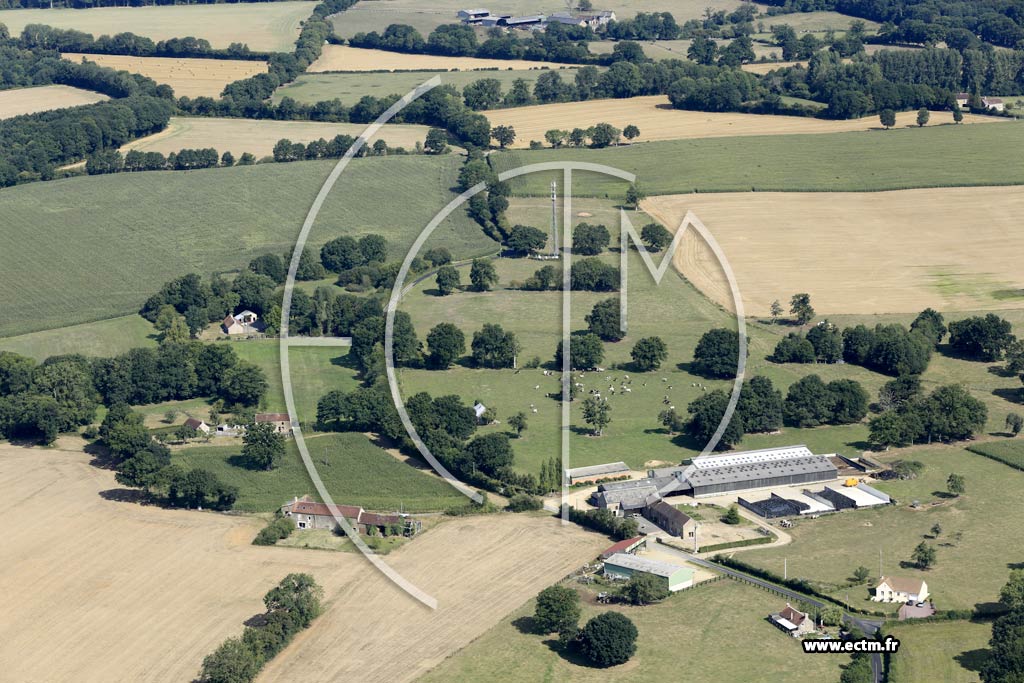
[529,341]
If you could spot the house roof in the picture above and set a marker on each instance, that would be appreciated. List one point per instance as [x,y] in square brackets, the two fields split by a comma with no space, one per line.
[229,321]
[596,470]
[621,547]
[193,423]
[670,513]
[246,313]
[793,615]
[379,519]
[309,507]
[272,417]
[992,100]
[902,584]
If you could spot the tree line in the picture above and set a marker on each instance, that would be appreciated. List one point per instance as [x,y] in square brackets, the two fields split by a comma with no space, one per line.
[126,43]
[291,607]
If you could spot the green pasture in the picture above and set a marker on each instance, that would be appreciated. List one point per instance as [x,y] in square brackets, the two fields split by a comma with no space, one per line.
[91,248]
[350,87]
[975,552]
[354,470]
[942,652]
[102,338]
[694,635]
[855,162]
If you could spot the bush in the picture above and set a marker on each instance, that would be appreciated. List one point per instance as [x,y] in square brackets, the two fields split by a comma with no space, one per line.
[523,502]
[279,529]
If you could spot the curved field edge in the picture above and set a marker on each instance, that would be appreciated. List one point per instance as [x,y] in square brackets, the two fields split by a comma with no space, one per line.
[899,159]
[91,248]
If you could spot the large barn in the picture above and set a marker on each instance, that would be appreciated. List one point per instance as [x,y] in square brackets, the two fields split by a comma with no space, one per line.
[710,475]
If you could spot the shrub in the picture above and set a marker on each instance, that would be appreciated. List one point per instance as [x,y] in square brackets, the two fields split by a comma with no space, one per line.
[608,639]
[523,502]
[280,528]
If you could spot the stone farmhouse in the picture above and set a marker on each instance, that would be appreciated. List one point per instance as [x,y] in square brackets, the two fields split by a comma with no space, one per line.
[309,514]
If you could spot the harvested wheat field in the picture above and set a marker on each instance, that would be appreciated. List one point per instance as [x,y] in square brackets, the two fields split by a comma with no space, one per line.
[44,98]
[858,253]
[765,67]
[258,137]
[657,120]
[263,26]
[136,593]
[345,58]
[188,77]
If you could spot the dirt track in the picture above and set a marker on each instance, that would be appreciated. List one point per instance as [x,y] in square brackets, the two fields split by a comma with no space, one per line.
[98,590]
[881,252]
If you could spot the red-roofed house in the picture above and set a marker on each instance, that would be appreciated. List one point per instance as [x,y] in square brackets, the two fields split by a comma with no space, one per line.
[630,545]
[793,621]
[309,514]
[282,423]
[197,425]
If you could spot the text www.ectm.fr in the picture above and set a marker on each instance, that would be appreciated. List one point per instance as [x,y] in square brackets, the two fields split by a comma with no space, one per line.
[818,645]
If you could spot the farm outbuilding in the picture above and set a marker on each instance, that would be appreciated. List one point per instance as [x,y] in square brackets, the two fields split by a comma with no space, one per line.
[625,566]
[630,545]
[576,475]
[671,519]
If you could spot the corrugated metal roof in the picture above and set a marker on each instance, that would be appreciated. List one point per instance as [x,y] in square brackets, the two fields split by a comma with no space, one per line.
[642,564]
[595,470]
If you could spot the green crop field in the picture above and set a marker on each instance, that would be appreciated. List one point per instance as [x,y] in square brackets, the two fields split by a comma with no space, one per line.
[91,248]
[712,621]
[855,162]
[1009,452]
[354,470]
[270,26]
[349,87]
[676,49]
[969,571]
[943,652]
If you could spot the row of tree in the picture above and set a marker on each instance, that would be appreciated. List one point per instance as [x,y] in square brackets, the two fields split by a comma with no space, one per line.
[291,607]
[71,40]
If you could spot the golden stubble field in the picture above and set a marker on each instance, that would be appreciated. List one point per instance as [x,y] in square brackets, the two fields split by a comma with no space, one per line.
[858,253]
[44,98]
[98,590]
[263,26]
[259,136]
[345,58]
[657,120]
[189,77]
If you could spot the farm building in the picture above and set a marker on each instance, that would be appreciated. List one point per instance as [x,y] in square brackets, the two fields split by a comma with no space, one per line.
[672,520]
[578,475]
[471,16]
[853,495]
[900,589]
[793,621]
[240,323]
[197,425]
[995,103]
[308,514]
[281,422]
[775,506]
[621,496]
[624,566]
[709,475]
[480,412]
[583,20]
[530,21]
[630,545]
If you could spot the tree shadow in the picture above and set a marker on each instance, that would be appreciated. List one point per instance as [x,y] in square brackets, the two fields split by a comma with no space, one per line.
[243,462]
[256,620]
[1000,371]
[944,495]
[973,660]
[988,610]
[1011,395]
[1015,565]
[686,441]
[657,430]
[581,431]
[126,496]
[526,625]
[861,445]
[570,654]
[347,361]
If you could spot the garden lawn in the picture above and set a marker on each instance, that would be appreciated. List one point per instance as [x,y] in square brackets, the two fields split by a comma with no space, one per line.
[942,652]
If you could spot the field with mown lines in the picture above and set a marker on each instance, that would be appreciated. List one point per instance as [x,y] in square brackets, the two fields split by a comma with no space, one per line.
[18,101]
[92,248]
[867,161]
[263,26]
[188,77]
[345,58]
[350,87]
[657,120]
[883,252]
[258,137]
